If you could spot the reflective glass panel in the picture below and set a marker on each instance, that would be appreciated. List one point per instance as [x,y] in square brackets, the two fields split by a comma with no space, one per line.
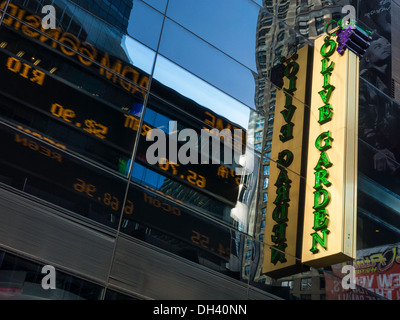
[79,99]
[259,2]
[35,166]
[114,12]
[21,279]
[192,190]
[187,151]
[170,79]
[228,25]
[376,69]
[152,215]
[145,24]
[81,35]
[376,16]
[160,5]
[378,132]
[114,295]
[309,18]
[208,63]
[183,193]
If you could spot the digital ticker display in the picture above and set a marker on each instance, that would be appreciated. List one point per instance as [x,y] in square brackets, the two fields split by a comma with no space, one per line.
[116,128]
[42,170]
[101,124]
[70,105]
[64,111]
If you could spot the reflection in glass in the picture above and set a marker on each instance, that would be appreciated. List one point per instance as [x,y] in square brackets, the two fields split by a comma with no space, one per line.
[218,180]
[75,119]
[21,279]
[309,18]
[188,152]
[131,16]
[79,33]
[191,87]
[182,193]
[230,25]
[259,2]
[378,130]
[376,66]
[200,58]
[375,15]
[38,168]
[139,55]
[157,218]
[114,295]
[160,5]
[77,95]
[115,15]
[211,106]
[145,24]
[379,211]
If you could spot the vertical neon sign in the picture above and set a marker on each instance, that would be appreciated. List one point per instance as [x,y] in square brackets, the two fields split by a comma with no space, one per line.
[331,181]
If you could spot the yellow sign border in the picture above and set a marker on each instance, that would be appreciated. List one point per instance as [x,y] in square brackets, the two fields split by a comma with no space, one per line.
[342,174]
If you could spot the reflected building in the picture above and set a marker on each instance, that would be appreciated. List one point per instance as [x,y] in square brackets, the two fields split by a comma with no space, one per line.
[115,13]
[80,126]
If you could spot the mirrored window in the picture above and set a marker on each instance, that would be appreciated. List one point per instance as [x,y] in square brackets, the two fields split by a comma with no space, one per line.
[145,24]
[378,129]
[78,32]
[376,16]
[33,165]
[203,60]
[115,12]
[160,5]
[158,211]
[88,104]
[184,193]
[230,26]
[376,68]
[191,87]
[21,279]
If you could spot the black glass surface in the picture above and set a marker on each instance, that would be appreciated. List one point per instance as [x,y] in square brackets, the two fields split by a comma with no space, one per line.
[22,279]
[36,167]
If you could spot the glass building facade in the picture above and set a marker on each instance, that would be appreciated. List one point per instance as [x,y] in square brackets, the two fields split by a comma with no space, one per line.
[78,189]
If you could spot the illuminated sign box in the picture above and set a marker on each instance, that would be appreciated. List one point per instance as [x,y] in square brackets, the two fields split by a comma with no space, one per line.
[331,185]
[282,240]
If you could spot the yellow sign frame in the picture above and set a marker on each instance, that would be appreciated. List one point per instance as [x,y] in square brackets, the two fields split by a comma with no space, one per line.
[330,214]
[281,255]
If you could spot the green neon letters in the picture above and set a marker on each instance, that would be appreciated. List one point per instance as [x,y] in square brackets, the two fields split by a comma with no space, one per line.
[332,47]
[324,141]
[325,114]
[326,138]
